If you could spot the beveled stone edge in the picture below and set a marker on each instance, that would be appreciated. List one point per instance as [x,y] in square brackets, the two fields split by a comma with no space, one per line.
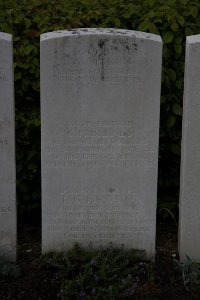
[6,36]
[100,31]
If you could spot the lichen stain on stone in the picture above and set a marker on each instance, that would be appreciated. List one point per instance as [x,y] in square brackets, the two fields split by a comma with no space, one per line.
[102,70]
[111,190]
[135,46]
[101,45]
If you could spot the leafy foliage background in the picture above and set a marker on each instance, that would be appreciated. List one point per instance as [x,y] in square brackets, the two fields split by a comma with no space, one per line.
[26,20]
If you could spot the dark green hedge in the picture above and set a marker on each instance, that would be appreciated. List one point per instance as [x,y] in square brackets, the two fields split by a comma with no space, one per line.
[26,20]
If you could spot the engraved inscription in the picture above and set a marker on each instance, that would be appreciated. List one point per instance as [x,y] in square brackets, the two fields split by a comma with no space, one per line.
[2,76]
[4,120]
[100,144]
[3,141]
[101,56]
[5,209]
[81,211]
[4,125]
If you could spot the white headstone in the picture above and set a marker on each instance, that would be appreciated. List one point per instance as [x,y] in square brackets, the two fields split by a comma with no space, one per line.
[7,150]
[189,214]
[100,100]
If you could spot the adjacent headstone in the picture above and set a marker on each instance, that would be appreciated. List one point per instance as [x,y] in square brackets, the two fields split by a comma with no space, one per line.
[7,151]
[100,100]
[189,215]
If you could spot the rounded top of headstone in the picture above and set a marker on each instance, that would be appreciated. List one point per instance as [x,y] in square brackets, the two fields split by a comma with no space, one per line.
[5,36]
[193,39]
[100,31]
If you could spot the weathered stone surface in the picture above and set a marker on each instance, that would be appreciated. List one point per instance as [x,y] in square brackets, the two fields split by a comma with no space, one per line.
[100,100]
[7,150]
[189,215]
